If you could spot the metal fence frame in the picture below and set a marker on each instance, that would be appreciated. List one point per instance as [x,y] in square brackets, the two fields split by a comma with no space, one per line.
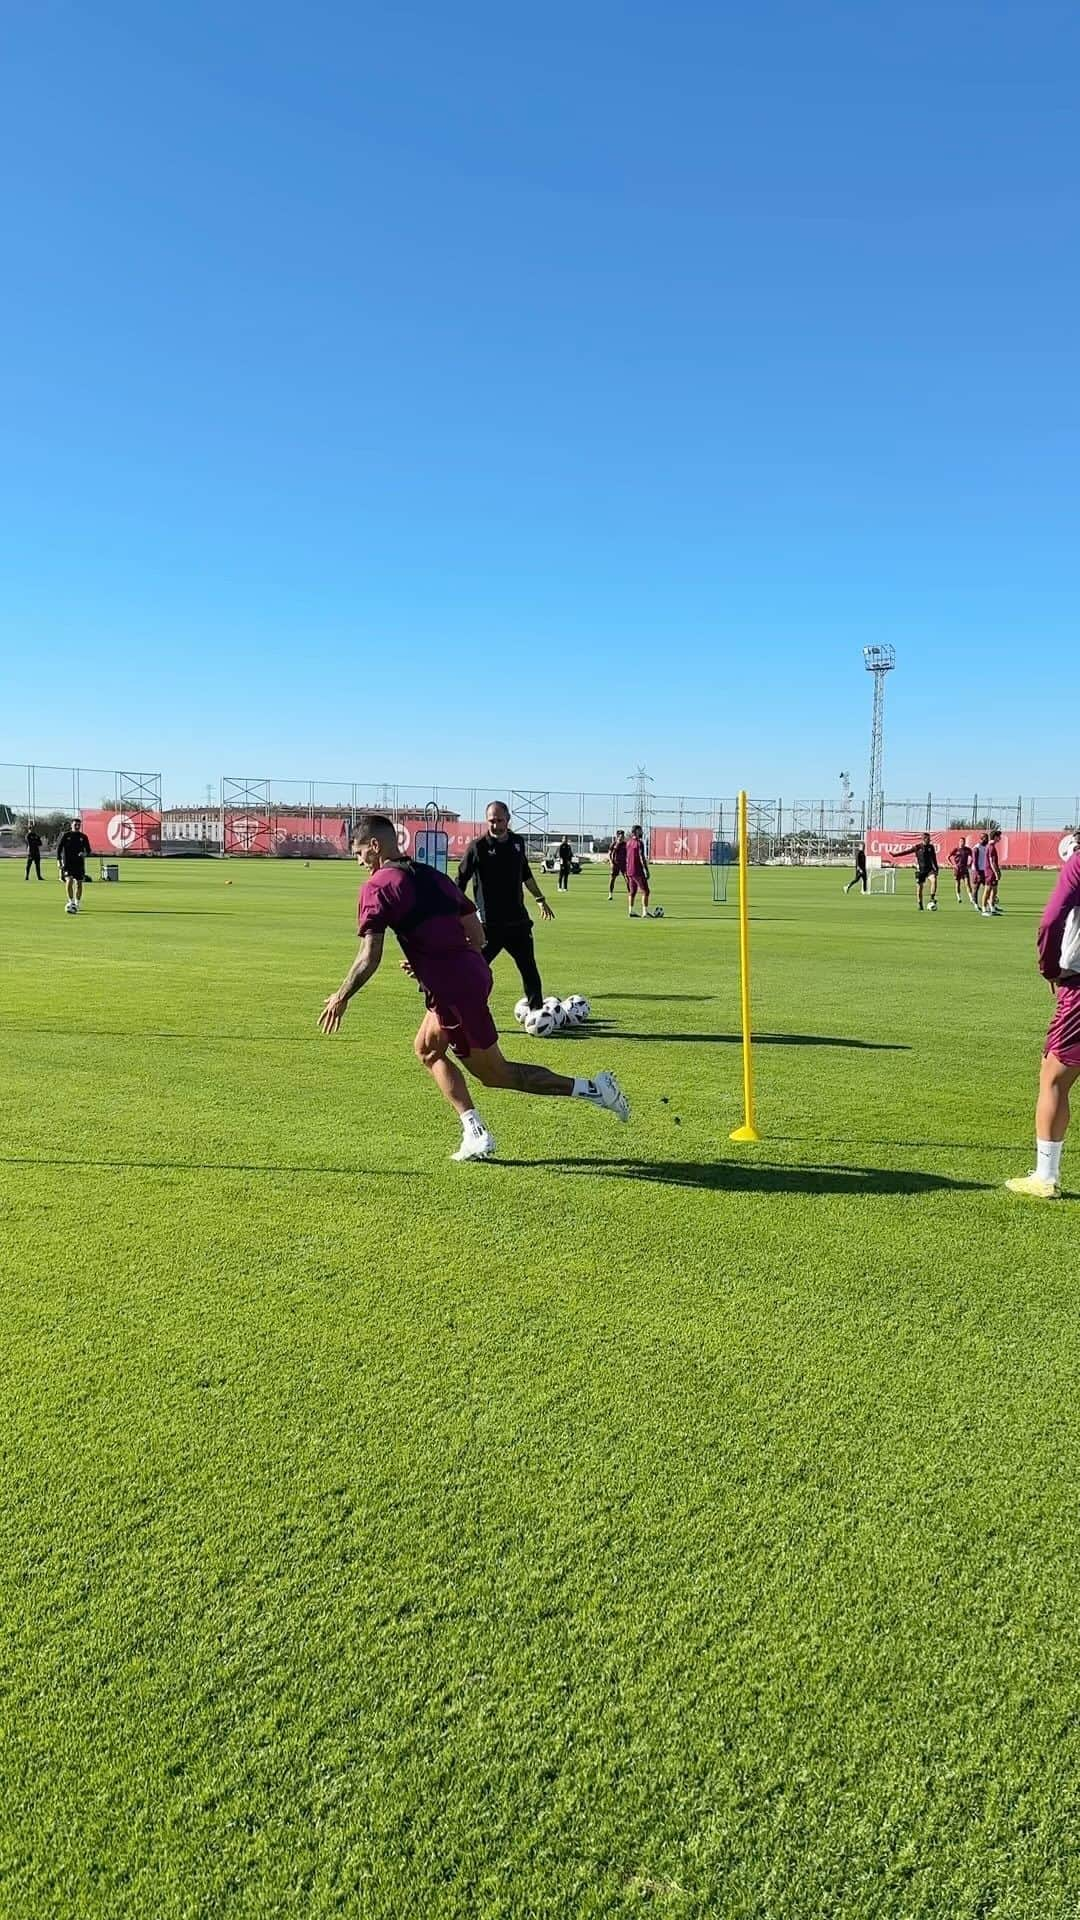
[794,832]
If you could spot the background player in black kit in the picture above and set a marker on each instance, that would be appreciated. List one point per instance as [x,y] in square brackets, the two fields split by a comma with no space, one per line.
[860,871]
[496,869]
[72,852]
[33,849]
[926,870]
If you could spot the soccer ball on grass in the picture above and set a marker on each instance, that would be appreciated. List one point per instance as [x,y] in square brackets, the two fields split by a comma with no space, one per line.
[539,1023]
[521,1011]
[576,1009]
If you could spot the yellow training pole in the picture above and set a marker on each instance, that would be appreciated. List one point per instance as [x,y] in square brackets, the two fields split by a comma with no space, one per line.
[748,1130]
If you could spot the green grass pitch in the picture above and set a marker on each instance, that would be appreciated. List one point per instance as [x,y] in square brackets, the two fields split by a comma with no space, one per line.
[642,1525]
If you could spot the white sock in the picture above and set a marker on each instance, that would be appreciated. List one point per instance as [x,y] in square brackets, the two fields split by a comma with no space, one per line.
[471,1122]
[1048,1161]
[585,1090]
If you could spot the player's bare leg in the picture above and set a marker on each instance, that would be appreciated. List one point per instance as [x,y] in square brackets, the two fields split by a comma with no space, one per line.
[492,1069]
[1051,1125]
[431,1048]
[1052,1110]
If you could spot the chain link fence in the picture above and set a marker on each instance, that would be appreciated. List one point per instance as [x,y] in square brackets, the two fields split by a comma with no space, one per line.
[313,818]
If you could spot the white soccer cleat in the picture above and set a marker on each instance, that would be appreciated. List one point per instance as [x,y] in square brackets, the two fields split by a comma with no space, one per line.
[476,1146]
[611,1097]
[1034,1187]
[71,907]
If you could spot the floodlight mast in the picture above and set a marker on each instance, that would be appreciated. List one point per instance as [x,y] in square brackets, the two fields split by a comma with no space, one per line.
[879,661]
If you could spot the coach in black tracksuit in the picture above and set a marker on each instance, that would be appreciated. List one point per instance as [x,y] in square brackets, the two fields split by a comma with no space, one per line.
[33,851]
[496,868]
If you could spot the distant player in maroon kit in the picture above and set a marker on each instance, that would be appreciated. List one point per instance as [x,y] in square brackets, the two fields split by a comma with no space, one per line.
[1059,962]
[637,871]
[617,857]
[993,874]
[441,936]
[960,862]
[979,864]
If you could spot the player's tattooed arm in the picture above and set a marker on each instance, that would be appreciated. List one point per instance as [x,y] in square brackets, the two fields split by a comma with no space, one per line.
[367,962]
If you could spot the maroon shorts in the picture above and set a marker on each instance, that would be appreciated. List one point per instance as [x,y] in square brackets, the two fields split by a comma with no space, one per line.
[460,1005]
[636,886]
[1063,1038]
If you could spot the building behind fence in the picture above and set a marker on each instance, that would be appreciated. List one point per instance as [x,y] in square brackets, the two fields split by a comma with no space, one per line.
[123,812]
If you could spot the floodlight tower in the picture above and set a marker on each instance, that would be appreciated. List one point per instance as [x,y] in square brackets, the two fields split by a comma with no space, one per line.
[847,813]
[879,661]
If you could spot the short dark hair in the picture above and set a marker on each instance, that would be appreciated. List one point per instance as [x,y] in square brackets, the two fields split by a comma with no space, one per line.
[374,826]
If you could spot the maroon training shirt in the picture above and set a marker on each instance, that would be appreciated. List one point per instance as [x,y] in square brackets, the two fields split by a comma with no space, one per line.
[437,950]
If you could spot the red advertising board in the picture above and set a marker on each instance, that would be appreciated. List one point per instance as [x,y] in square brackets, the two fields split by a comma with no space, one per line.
[680,843]
[111,832]
[458,834]
[251,832]
[1015,849]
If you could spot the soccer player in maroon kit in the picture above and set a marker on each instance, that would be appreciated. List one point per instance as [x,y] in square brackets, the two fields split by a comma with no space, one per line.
[441,936]
[979,858]
[960,862]
[637,872]
[1059,963]
[617,857]
[993,875]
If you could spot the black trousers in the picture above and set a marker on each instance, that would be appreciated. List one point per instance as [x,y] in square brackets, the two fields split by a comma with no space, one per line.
[33,860]
[518,943]
[564,879]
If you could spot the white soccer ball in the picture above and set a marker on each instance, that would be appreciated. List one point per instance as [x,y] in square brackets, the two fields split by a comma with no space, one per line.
[521,1011]
[658,913]
[577,1009]
[554,1006]
[540,1023]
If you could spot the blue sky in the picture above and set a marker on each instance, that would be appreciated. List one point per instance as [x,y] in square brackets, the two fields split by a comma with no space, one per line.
[484,393]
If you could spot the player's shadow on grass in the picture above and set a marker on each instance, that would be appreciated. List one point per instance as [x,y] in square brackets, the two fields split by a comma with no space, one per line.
[744,1176]
[194,1166]
[658,996]
[767,1040]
